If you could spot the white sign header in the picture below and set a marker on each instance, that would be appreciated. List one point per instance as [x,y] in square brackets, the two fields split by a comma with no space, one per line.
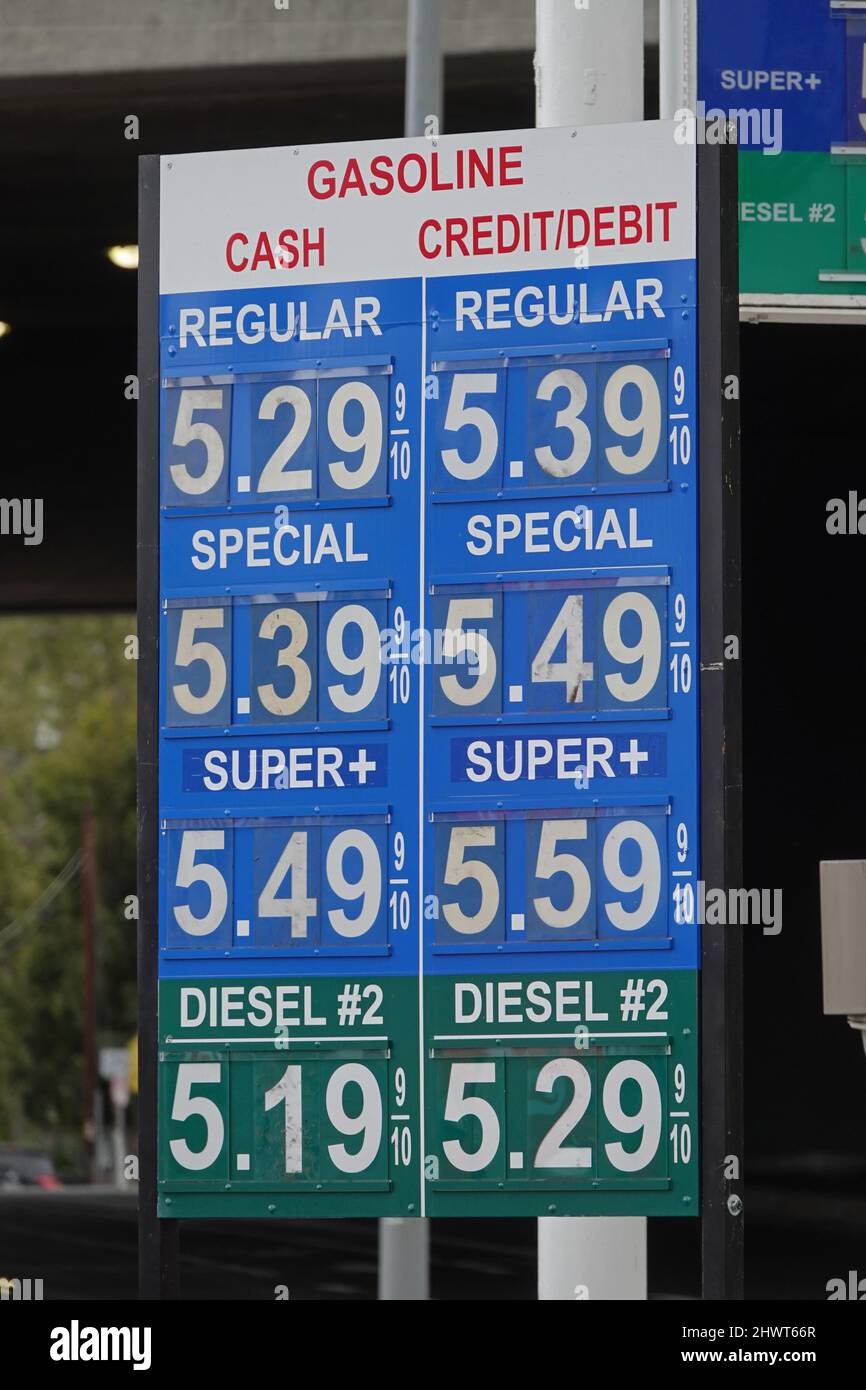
[381,209]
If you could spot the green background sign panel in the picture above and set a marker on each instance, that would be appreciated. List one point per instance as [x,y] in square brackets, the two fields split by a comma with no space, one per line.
[569,1094]
[801,215]
[285,1097]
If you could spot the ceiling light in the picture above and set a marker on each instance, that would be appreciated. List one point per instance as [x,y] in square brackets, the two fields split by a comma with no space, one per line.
[5,329]
[124,257]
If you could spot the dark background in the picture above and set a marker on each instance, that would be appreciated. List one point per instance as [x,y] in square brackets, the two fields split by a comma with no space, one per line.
[69,184]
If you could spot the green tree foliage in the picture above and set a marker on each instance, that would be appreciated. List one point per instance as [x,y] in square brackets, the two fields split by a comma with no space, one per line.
[67,716]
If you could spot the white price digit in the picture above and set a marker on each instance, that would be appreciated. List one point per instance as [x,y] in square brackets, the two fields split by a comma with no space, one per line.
[682,842]
[551,1153]
[367,887]
[189,872]
[287,1091]
[399,851]
[401,910]
[185,1105]
[367,663]
[647,649]
[458,1105]
[573,672]
[400,628]
[647,1120]
[459,414]
[681,445]
[647,423]
[684,898]
[188,651]
[290,657]
[401,1142]
[681,1142]
[401,684]
[368,438]
[186,432]
[681,669]
[274,477]
[400,1088]
[458,640]
[401,459]
[647,878]
[550,863]
[368,1121]
[299,908]
[458,869]
[568,418]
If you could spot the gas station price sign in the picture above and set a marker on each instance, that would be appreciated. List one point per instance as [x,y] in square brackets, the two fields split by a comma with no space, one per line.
[793,77]
[428,767]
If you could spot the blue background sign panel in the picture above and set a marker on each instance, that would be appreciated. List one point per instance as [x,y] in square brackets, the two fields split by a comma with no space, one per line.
[428,665]
[788,57]
[856,79]
[279,580]
[578,585]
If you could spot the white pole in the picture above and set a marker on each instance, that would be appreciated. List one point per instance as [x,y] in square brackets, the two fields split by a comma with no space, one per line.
[678,57]
[118,1141]
[404,1259]
[423,67]
[589,63]
[593,1258]
[404,1244]
[589,60]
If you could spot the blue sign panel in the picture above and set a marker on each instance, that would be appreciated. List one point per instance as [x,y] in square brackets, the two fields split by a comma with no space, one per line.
[289,550]
[561,581]
[429,678]
[790,59]
[856,79]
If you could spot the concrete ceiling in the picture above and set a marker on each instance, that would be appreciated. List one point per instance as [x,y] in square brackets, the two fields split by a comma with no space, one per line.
[69,182]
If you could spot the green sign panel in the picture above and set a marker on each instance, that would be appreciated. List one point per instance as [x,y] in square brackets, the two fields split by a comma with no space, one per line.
[802,225]
[276,1091]
[560,1094]
[790,77]
[575,1094]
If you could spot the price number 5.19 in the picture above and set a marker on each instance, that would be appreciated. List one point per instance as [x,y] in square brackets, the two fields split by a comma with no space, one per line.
[311,1121]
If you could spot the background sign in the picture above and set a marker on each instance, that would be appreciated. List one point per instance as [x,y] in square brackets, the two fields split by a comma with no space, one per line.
[428,763]
[798,72]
